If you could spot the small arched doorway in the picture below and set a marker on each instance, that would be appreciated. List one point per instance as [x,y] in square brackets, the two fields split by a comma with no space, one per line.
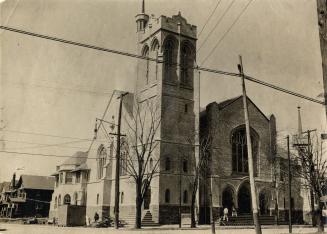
[147,199]
[263,202]
[227,199]
[244,199]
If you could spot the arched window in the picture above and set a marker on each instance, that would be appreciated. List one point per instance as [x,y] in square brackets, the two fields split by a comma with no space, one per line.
[67,199]
[122,198]
[167,164]
[185,197]
[185,169]
[167,196]
[123,159]
[146,67]
[155,50]
[186,61]
[59,200]
[101,160]
[169,60]
[240,152]
[55,203]
[75,198]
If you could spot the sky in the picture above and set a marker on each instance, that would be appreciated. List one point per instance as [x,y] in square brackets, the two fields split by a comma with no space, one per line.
[56,89]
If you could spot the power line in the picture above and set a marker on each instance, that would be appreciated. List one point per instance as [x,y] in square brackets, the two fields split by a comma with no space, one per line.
[214,28]
[155,60]
[229,29]
[208,19]
[47,135]
[42,144]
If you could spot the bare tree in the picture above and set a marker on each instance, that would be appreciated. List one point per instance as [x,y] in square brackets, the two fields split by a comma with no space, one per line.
[141,161]
[313,173]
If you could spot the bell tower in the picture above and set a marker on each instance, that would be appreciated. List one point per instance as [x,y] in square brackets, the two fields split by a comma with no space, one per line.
[168,78]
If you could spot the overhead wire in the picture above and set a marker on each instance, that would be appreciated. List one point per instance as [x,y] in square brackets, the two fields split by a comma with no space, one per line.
[216,25]
[208,19]
[158,61]
[225,34]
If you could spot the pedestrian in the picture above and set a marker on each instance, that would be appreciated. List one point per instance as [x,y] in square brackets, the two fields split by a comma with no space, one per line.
[234,212]
[225,218]
[96,217]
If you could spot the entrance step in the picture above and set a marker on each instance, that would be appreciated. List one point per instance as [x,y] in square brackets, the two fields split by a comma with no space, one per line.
[247,220]
[147,220]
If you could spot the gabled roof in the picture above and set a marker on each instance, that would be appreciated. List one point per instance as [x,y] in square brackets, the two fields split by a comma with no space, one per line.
[77,159]
[222,105]
[36,182]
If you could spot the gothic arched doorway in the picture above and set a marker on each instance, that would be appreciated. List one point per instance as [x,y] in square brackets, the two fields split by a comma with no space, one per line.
[244,199]
[263,203]
[147,199]
[227,199]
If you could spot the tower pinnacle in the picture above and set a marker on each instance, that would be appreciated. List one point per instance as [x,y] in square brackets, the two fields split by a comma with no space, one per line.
[143,7]
[299,121]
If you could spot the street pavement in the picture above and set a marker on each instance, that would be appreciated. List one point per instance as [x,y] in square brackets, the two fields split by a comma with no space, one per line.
[7,228]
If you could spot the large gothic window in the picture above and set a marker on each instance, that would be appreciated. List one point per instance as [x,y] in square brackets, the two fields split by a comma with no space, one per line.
[240,152]
[101,160]
[169,60]
[186,64]
[123,159]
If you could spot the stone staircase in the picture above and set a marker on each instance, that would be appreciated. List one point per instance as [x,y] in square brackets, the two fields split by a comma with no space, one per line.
[247,220]
[147,220]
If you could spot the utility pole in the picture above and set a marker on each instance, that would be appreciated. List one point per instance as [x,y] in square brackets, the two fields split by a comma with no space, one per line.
[180,193]
[313,218]
[250,159]
[212,219]
[289,186]
[322,22]
[116,209]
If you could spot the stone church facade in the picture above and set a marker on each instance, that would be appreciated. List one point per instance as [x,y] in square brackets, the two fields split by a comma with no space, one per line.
[168,81]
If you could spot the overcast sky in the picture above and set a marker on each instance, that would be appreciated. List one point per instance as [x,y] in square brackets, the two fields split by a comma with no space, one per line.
[57,89]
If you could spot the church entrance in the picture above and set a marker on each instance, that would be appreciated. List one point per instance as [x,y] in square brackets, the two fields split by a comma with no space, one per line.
[227,199]
[263,203]
[147,199]
[244,199]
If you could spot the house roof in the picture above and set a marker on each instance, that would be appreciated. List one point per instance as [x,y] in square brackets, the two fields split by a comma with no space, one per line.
[36,182]
[77,159]
[4,186]
[82,167]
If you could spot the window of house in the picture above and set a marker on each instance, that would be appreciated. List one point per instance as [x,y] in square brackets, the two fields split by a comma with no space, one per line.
[167,164]
[75,198]
[78,177]
[167,196]
[60,177]
[185,108]
[69,178]
[185,197]
[67,199]
[59,200]
[168,59]
[122,198]
[240,153]
[185,166]
[56,203]
[97,199]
